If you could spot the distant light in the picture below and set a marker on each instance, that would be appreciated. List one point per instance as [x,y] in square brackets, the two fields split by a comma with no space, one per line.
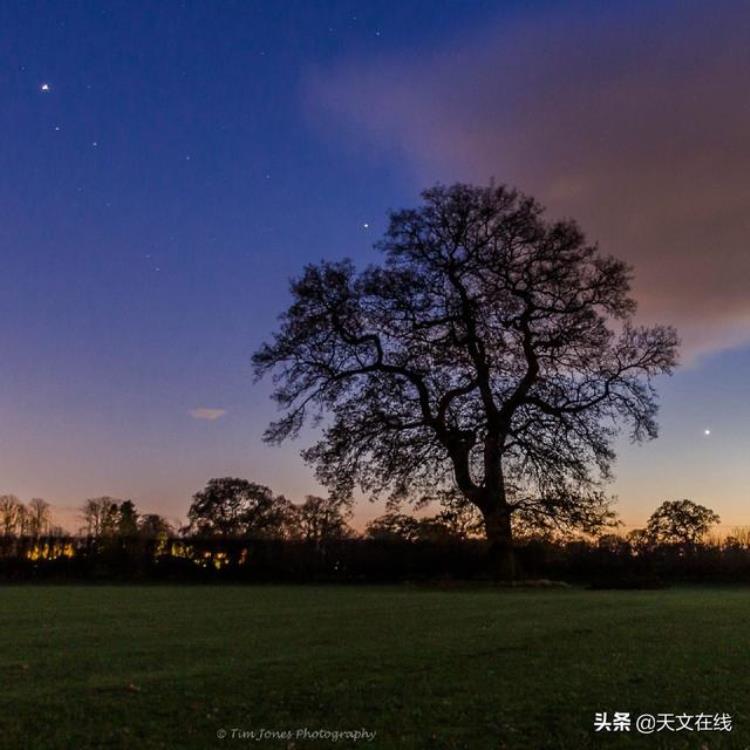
[706,432]
[44,87]
[365,226]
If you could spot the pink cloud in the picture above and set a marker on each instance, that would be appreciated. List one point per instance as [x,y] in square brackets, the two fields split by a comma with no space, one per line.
[636,124]
[210,415]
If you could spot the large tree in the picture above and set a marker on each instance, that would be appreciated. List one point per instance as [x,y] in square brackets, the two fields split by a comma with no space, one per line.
[493,354]
[231,507]
[680,522]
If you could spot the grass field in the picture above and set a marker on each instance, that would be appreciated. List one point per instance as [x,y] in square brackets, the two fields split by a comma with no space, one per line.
[168,667]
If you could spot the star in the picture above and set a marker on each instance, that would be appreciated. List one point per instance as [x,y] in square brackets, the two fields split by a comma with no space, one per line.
[44,87]
[706,432]
[365,226]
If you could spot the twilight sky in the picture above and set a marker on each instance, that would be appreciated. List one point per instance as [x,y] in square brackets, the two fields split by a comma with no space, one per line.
[166,167]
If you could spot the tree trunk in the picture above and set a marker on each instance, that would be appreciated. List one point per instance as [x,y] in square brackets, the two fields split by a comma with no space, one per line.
[500,536]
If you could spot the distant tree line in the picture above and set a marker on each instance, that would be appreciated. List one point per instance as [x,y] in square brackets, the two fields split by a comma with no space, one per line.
[234,508]
[31,519]
[109,517]
[240,530]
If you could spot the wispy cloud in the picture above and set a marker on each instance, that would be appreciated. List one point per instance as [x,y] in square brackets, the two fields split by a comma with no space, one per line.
[209,414]
[634,121]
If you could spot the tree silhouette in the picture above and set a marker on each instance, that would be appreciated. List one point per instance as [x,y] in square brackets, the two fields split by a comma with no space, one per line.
[230,507]
[462,519]
[321,519]
[100,516]
[492,352]
[127,519]
[394,526]
[680,522]
[153,526]
[39,516]
[11,511]
[640,541]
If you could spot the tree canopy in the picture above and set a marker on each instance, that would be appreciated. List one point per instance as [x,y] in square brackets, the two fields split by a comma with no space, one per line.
[492,355]
[231,507]
[680,522]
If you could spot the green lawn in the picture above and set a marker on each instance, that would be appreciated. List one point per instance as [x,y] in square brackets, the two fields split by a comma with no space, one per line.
[167,667]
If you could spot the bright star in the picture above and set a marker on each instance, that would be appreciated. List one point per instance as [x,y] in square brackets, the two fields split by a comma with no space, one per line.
[706,432]
[44,87]
[365,226]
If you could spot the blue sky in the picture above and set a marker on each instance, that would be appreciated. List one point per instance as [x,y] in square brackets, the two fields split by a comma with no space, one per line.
[188,158]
